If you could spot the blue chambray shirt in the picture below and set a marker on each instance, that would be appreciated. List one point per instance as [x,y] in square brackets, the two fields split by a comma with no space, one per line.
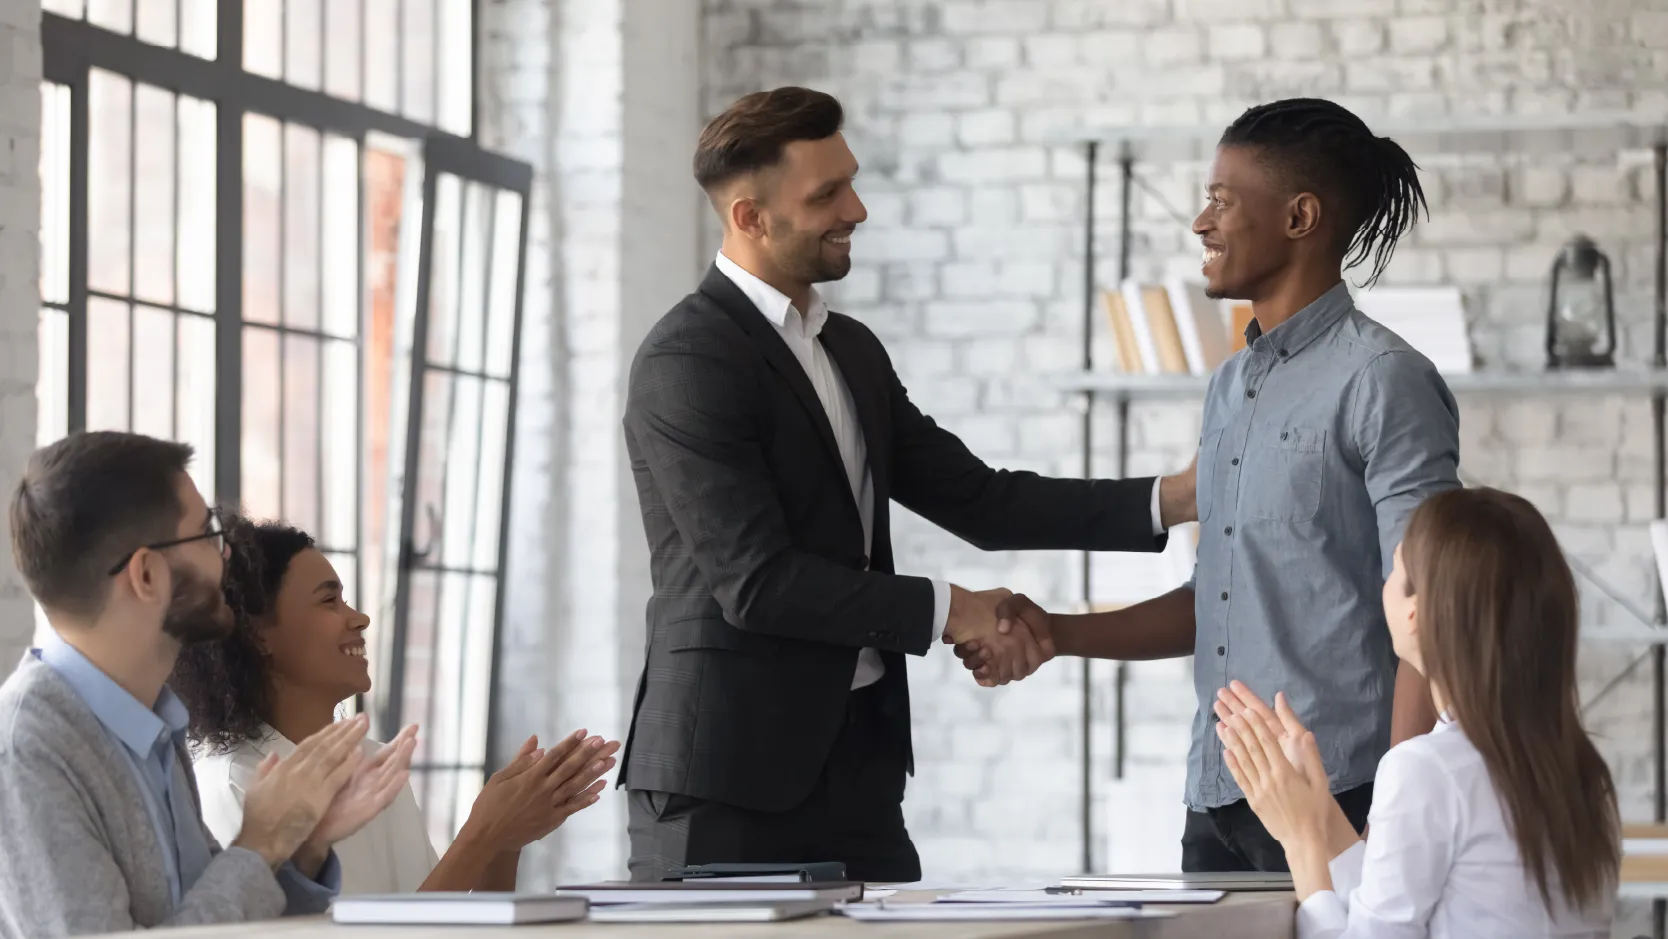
[1319,439]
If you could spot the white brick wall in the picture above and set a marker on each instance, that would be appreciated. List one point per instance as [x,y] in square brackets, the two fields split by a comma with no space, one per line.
[985,252]
[20,131]
[601,97]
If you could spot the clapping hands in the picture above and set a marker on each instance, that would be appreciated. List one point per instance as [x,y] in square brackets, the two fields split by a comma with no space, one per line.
[1277,764]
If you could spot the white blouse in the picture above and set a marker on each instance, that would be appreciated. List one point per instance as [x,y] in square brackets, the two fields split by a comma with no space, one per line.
[391,854]
[1441,861]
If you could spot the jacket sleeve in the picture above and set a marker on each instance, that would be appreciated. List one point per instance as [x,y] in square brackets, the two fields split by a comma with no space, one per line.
[938,478]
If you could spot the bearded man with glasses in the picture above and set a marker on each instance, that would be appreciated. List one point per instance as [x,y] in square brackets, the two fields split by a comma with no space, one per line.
[97,799]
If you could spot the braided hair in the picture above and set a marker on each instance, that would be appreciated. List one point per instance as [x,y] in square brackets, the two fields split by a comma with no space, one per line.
[1323,148]
[224,683]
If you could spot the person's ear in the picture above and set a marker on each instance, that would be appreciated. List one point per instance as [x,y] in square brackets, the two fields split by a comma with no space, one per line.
[148,575]
[1303,215]
[745,216]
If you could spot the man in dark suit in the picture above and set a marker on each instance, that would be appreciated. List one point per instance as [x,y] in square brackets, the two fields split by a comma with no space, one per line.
[767,437]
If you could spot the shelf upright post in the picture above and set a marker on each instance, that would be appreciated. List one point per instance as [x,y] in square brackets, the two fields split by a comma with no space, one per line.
[1659,908]
[1091,157]
[1126,164]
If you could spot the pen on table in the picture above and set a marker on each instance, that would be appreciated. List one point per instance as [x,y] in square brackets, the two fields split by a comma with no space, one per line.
[1064,891]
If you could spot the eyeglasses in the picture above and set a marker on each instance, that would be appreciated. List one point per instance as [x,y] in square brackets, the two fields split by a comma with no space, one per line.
[215,531]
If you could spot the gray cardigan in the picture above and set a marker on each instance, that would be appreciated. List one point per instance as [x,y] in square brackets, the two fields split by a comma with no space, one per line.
[78,852]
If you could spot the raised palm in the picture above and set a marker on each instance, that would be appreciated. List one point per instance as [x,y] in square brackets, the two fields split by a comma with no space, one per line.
[1280,720]
[373,787]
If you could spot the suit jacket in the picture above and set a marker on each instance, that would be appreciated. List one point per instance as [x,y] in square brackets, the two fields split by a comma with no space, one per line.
[80,852]
[761,597]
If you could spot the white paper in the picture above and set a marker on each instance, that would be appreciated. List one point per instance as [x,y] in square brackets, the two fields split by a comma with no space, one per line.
[878,893]
[1430,319]
[986,912]
[1084,898]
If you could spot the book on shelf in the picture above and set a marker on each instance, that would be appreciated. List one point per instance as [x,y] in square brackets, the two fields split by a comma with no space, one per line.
[1123,334]
[1142,320]
[1199,323]
[1240,316]
[1167,331]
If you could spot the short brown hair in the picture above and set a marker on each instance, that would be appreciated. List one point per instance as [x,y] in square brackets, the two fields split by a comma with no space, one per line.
[1498,620]
[750,134]
[85,501]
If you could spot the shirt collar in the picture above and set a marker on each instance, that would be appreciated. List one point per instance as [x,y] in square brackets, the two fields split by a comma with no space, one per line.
[773,303]
[1305,326]
[139,728]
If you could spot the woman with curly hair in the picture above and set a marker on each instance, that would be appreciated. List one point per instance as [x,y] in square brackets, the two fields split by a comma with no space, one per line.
[296,652]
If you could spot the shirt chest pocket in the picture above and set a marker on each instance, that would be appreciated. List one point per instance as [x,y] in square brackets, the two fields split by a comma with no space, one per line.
[1284,475]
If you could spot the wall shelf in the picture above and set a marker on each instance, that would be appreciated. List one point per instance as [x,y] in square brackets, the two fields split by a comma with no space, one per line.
[1119,386]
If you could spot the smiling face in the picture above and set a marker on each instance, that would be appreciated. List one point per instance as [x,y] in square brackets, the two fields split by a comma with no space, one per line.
[806,210]
[1247,227]
[315,640]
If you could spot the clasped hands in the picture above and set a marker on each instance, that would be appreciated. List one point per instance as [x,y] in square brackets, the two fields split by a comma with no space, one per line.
[1000,636]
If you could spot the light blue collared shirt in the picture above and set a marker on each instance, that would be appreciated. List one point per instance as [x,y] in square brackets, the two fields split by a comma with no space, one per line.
[148,737]
[1319,440]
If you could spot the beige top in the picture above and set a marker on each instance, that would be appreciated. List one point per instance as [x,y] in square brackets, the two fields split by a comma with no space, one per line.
[391,854]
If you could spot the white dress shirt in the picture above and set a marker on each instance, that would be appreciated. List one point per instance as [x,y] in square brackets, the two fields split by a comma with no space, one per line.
[800,329]
[391,854]
[1441,861]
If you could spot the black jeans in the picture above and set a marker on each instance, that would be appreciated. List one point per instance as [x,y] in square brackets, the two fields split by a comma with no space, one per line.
[1232,838]
[854,815]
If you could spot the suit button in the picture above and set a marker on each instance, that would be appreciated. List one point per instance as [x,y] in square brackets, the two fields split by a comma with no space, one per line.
[1224,594]
[1236,461]
[1220,650]
[1228,531]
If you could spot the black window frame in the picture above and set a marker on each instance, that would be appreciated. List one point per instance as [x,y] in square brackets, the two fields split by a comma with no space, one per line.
[72,48]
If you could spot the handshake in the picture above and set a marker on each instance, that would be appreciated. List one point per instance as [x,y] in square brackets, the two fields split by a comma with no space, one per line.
[999,635]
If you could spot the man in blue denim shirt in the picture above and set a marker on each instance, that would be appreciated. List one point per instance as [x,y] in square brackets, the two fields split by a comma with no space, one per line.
[1318,441]
[97,798]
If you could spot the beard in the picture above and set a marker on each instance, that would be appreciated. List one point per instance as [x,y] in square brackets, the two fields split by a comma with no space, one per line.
[197,612]
[801,254]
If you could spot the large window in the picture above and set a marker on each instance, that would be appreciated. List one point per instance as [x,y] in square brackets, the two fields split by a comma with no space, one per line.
[267,231]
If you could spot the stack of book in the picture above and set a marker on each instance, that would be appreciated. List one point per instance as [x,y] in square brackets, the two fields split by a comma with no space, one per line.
[1173,328]
[1170,328]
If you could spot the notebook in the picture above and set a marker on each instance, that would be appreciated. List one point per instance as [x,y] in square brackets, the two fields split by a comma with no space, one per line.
[709,912]
[460,909]
[712,891]
[1229,882]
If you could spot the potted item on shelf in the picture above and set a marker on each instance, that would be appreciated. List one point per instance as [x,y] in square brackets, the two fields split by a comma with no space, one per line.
[1581,310]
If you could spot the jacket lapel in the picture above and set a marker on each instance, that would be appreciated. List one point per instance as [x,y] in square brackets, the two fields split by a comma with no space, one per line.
[857,368]
[721,290]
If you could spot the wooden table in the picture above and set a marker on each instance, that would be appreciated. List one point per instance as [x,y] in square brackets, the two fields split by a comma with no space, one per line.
[1243,916]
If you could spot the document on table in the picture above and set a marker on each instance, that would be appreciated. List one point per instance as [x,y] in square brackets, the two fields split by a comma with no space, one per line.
[1083,898]
[985,912]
